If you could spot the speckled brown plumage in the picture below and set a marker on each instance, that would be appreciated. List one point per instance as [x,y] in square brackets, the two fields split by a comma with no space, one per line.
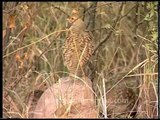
[120,102]
[78,46]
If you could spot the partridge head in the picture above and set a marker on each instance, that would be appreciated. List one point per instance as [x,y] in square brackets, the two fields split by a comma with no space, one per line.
[76,23]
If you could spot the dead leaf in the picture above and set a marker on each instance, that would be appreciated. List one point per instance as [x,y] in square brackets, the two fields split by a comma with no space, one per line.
[21,65]
[11,21]
[17,57]
[4,33]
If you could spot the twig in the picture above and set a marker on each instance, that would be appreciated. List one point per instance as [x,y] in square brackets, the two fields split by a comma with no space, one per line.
[128,12]
[32,64]
[11,65]
[90,16]
[12,9]
[60,10]
[111,32]
[8,30]
[137,66]
[31,43]
[136,27]
[104,100]
[136,19]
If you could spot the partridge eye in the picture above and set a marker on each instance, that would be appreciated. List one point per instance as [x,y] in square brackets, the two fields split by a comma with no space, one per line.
[72,18]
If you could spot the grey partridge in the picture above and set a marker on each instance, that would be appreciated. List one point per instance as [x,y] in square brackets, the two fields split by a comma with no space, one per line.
[120,102]
[78,46]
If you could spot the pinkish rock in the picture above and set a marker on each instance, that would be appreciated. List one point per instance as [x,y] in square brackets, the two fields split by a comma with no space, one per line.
[67,99]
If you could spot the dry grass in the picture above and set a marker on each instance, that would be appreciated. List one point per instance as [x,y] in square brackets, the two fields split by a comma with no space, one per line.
[32,54]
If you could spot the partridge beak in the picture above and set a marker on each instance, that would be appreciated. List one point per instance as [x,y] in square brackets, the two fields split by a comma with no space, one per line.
[68,23]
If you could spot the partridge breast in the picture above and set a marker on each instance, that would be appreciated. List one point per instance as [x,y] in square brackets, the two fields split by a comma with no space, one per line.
[77,48]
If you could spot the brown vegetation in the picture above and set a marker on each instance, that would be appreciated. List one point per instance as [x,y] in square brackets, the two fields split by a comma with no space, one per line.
[125,37]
